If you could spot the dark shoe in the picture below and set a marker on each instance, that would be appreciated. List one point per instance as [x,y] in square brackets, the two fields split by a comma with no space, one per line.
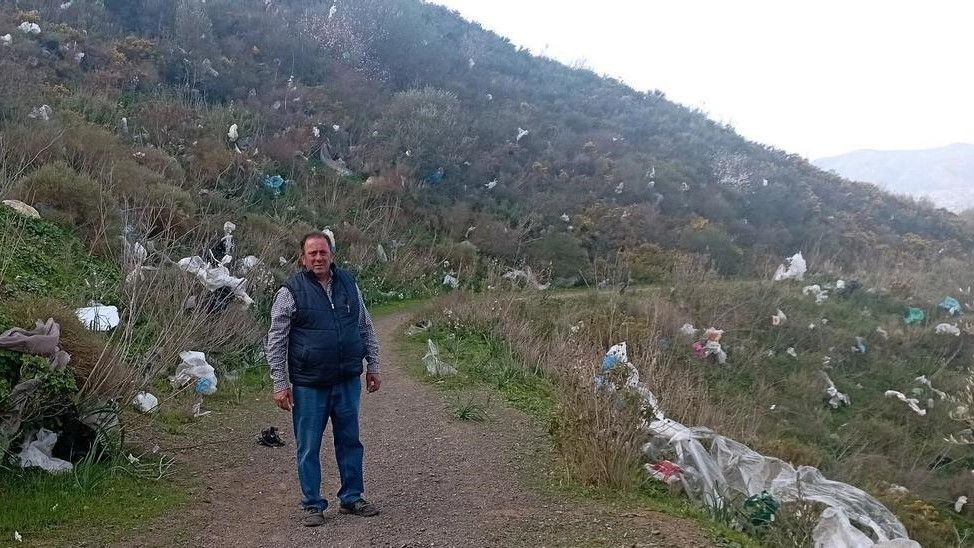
[312,517]
[361,507]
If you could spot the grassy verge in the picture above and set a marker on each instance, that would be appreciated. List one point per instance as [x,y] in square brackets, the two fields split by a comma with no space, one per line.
[485,362]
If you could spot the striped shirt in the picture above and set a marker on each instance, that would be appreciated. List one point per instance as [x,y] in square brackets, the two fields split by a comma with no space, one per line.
[281,312]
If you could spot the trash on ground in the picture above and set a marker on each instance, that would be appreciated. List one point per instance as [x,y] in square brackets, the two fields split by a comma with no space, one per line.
[665,471]
[821,295]
[761,509]
[951,305]
[860,346]
[688,330]
[43,340]
[489,185]
[98,317]
[914,316]
[729,470]
[947,329]
[525,276]
[6,39]
[146,402]
[42,113]
[419,327]
[564,217]
[793,268]
[249,263]
[381,253]
[194,366]
[215,277]
[922,379]
[37,453]
[434,365]
[29,28]
[791,352]
[959,503]
[274,183]
[520,133]
[232,134]
[778,318]
[836,398]
[22,208]
[197,410]
[17,535]
[268,437]
[897,490]
[451,281]
[913,403]
[882,333]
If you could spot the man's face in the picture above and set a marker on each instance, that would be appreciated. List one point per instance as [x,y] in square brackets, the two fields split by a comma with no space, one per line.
[317,256]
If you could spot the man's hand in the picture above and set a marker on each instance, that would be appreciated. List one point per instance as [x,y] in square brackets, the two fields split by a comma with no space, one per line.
[284,399]
[372,382]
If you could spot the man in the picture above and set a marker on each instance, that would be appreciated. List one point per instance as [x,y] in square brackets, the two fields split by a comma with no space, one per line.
[320,332]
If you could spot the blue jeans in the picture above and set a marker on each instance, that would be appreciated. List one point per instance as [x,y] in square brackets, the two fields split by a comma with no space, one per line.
[312,408]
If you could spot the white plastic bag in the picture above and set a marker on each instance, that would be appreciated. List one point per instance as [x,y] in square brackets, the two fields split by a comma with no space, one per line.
[794,267]
[98,317]
[37,453]
[194,366]
[434,365]
[146,402]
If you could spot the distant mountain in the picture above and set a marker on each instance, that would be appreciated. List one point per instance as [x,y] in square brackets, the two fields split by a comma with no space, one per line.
[944,175]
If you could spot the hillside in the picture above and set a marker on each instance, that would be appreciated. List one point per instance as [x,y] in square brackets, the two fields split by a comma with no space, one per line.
[944,175]
[416,106]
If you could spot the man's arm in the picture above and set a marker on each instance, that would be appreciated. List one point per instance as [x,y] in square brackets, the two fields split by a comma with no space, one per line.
[369,338]
[276,350]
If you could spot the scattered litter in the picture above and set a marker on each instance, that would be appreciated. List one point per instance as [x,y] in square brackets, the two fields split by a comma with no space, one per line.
[912,402]
[914,316]
[565,217]
[336,128]
[922,379]
[791,352]
[268,437]
[816,290]
[451,281]
[685,187]
[812,326]
[316,132]
[665,471]
[947,329]
[712,347]
[489,185]
[194,366]
[198,410]
[381,253]
[232,134]
[42,113]
[620,187]
[419,327]
[6,39]
[699,350]
[17,536]
[959,503]
[836,398]
[729,470]
[42,340]
[773,407]
[897,490]
[761,509]
[520,133]
[215,277]
[37,453]
[575,328]
[882,333]
[951,305]
[526,276]
[778,318]
[29,28]
[249,263]
[794,267]
[434,365]
[860,346]
[688,330]
[274,183]
[839,285]
[146,402]
[332,10]
[98,317]
[22,208]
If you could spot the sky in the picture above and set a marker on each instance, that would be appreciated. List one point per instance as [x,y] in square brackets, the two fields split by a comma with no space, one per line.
[816,78]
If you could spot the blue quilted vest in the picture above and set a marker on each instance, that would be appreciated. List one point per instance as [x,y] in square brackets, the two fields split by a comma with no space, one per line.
[324,345]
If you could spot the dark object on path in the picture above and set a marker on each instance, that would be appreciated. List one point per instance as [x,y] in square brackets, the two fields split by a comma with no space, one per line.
[269,438]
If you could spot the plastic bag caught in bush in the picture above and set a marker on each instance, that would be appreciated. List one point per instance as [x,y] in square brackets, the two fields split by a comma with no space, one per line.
[434,365]
[794,267]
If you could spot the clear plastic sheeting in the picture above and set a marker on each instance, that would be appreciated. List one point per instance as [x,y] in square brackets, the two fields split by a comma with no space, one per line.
[215,277]
[434,365]
[729,470]
[834,530]
[37,453]
[793,268]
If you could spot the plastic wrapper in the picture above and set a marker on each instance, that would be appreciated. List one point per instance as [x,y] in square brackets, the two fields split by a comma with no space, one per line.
[434,365]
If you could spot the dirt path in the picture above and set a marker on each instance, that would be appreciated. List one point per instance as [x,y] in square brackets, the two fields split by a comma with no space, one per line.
[439,482]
